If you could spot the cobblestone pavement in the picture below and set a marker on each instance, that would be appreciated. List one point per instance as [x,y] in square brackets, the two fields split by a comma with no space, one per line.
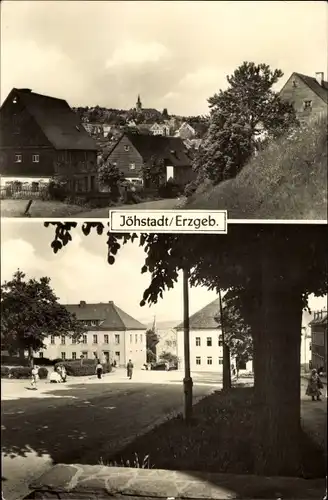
[88,422]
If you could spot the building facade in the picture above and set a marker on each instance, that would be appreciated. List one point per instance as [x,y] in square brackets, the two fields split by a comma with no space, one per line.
[319,343]
[206,342]
[308,95]
[160,129]
[111,335]
[41,137]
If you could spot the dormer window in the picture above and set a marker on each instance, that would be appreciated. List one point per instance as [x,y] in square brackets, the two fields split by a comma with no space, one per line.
[15,100]
[294,83]
[307,104]
[126,148]
[132,166]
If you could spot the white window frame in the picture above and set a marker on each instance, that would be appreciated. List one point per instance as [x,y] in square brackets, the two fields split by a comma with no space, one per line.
[117,339]
[106,338]
[62,340]
[209,360]
[74,355]
[198,358]
[84,339]
[18,158]
[132,166]
[63,355]
[209,342]
[220,361]
[52,339]
[126,147]
[95,339]
[35,158]
[198,341]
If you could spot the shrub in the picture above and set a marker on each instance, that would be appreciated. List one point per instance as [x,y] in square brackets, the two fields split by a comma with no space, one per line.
[56,191]
[13,361]
[74,368]
[43,361]
[5,370]
[18,372]
[43,372]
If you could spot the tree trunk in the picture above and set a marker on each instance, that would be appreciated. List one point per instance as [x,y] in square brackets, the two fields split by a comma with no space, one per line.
[277,370]
[226,368]
[30,356]
[21,353]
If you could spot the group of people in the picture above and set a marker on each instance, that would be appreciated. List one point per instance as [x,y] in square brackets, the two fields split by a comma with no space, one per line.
[315,384]
[58,375]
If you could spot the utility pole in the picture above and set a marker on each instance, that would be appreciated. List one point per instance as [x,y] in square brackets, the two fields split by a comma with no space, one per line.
[187,381]
[226,351]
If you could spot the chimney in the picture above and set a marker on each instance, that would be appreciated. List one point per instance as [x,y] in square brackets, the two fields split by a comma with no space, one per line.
[82,303]
[319,77]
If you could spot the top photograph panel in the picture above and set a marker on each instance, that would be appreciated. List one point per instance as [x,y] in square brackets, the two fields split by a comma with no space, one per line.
[164,105]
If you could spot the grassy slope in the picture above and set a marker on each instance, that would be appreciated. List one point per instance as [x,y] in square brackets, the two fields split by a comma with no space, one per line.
[288,180]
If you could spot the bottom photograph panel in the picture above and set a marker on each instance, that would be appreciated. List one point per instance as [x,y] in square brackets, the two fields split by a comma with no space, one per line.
[200,359]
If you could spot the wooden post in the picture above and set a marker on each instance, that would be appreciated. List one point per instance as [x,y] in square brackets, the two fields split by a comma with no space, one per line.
[187,381]
[226,351]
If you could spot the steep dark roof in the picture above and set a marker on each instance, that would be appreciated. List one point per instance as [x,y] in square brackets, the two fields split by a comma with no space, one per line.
[320,90]
[171,149]
[57,120]
[110,315]
[204,319]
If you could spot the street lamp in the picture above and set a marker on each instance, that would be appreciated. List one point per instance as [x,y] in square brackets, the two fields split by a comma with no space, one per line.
[187,381]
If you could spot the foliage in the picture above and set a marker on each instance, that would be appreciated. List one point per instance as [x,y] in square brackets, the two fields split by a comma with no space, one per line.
[237,333]
[43,373]
[30,312]
[57,190]
[240,117]
[19,372]
[110,176]
[5,370]
[76,369]
[153,171]
[169,357]
[151,343]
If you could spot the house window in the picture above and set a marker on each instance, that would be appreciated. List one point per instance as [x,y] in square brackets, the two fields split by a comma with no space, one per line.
[84,339]
[209,360]
[63,355]
[220,361]
[95,339]
[63,340]
[85,354]
[52,339]
[117,355]
[294,83]
[73,340]
[126,148]
[106,339]
[220,341]
[132,166]
[117,339]
[40,354]
[209,341]
[308,104]
[198,361]
[136,338]
[130,339]
[198,341]
[18,158]
[73,355]
[35,158]
[140,338]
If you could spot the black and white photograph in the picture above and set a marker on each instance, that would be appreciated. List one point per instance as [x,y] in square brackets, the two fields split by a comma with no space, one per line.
[164,105]
[132,367]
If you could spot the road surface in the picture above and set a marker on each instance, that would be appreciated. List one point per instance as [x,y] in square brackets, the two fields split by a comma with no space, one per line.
[84,423]
[167,204]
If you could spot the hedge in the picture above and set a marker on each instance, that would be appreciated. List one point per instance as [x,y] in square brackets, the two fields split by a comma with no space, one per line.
[22,372]
[75,369]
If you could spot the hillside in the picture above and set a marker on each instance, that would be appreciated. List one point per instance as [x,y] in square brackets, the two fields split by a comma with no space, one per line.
[287,180]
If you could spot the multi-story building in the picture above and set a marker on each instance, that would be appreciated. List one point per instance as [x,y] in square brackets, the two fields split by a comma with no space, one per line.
[41,137]
[160,129]
[319,340]
[111,335]
[308,95]
[206,342]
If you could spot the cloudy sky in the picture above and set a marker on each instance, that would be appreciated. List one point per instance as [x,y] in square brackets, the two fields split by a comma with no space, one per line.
[175,54]
[80,271]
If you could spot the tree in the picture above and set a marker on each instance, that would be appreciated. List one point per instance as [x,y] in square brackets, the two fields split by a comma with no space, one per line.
[110,176]
[154,171]
[169,357]
[240,116]
[30,312]
[151,343]
[276,272]
[165,114]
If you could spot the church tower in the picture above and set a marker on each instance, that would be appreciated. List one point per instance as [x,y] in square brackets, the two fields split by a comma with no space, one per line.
[139,104]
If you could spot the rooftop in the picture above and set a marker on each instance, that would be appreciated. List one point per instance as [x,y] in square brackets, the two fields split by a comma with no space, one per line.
[57,120]
[204,319]
[313,84]
[109,314]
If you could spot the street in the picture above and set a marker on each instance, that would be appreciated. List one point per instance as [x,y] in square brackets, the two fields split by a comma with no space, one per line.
[82,423]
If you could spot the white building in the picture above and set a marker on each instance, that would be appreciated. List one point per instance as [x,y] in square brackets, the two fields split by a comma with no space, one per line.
[206,346]
[160,129]
[307,317]
[111,335]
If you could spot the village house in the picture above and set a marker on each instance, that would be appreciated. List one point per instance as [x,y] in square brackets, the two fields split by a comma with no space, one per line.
[308,95]
[112,335]
[206,342]
[134,150]
[185,131]
[160,129]
[307,317]
[41,137]
[97,129]
[319,340]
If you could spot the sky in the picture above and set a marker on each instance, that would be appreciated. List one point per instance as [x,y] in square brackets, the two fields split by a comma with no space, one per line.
[176,54]
[80,271]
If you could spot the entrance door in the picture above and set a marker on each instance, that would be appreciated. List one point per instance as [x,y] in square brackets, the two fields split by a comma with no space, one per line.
[106,356]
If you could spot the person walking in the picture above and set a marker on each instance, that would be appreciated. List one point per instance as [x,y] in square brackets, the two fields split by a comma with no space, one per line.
[99,369]
[63,373]
[129,369]
[35,376]
[314,386]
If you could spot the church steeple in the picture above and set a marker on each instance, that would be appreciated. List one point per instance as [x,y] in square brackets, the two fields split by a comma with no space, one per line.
[139,104]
